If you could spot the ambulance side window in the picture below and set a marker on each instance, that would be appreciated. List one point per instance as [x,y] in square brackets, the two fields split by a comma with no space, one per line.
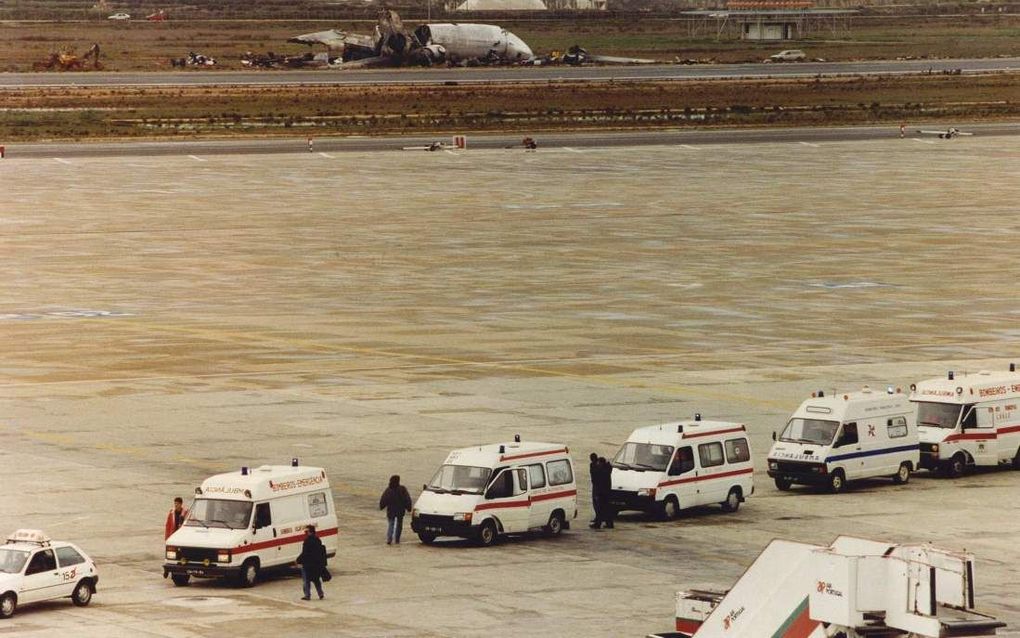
[969,419]
[682,462]
[537,475]
[711,454]
[317,505]
[522,481]
[69,557]
[41,562]
[849,435]
[897,427]
[502,486]
[737,451]
[263,518]
[559,472]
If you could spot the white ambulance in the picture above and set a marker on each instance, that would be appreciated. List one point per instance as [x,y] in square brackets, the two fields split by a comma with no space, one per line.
[663,469]
[969,420]
[247,521]
[503,488]
[830,440]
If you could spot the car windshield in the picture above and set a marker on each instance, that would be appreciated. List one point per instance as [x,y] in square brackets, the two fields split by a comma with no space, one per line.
[643,456]
[12,561]
[813,431]
[460,479]
[938,415]
[207,512]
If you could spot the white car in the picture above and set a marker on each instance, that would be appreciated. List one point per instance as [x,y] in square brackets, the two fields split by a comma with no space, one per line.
[33,568]
[790,55]
[119,16]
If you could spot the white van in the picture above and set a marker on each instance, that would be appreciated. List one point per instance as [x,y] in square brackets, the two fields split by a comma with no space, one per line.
[830,440]
[662,469]
[503,488]
[243,522]
[969,420]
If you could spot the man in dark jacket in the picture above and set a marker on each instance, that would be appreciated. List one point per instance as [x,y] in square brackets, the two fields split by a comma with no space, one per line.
[396,501]
[602,480]
[313,561]
[593,470]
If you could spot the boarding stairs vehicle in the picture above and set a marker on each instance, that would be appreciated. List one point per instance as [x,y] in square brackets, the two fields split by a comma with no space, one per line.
[854,588]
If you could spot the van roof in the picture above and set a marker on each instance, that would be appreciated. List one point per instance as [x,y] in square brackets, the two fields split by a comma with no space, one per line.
[264,482]
[494,453]
[674,431]
[979,386]
[842,406]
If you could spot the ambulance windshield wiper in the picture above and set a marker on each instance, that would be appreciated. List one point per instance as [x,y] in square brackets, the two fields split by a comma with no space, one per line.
[622,465]
[642,467]
[223,523]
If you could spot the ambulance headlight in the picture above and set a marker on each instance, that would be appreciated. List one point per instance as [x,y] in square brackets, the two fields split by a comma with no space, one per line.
[646,491]
[463,517]
[935,449]
[171,553]
[223,556]
[773,465]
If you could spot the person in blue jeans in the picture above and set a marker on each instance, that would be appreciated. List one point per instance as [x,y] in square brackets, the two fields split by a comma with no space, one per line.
[313,562]
[396,501]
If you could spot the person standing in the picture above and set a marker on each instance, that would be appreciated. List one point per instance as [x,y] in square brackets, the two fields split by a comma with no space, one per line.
[175,517]
[593,470]
[313,561]
[396,501]
[605,488]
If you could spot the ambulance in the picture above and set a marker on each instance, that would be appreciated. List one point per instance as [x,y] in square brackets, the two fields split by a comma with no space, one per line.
[830,440]
[241,523]
[503,488]
[663,469]
[969,420]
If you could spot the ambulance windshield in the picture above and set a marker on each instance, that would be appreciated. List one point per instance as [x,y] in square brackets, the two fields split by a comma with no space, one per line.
[207,512]
[814,431]
[938,415]
[460,479]
[643,457]
[12,560]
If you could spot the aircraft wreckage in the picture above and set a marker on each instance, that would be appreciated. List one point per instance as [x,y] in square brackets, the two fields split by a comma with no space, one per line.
[438,43]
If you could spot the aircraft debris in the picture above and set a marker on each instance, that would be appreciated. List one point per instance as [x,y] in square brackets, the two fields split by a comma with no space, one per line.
[528,144]
[576,56]
[193,59]
[947,134]
[272,60]
[68,61]
[158,16]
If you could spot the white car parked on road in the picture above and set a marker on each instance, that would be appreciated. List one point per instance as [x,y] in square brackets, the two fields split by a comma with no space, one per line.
[119,16]
[789,55]
[33,568]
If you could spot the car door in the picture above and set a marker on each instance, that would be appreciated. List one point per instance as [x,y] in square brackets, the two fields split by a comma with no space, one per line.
[42,581]
[507,499]
[681,478]
[70,564]
[980,420]
[712,461]
[265,533]
[540,508]
[847,447]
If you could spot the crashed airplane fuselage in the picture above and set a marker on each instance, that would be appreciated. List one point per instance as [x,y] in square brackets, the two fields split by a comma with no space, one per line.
[475,41]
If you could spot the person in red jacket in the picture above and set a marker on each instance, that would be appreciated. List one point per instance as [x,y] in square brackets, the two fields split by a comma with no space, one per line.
[175,517]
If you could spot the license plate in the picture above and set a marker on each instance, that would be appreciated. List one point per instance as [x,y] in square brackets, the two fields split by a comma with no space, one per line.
[433,529]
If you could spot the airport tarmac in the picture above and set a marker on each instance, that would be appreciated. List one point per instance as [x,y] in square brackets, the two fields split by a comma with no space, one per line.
[166,318]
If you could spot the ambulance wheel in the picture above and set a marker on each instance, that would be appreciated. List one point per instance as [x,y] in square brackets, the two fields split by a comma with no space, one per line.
[783,485]
[1016,460]
[956,466]
[555,526]
[82,595]
[180,579]
[487,534]
[426,538]
[249,573]
[670,509]
[8,603]
[732,502]
[837,482]
[902,475]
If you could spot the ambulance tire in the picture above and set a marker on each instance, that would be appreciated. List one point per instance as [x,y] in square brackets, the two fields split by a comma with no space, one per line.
[1016,460]
[487,534]
[957,466]
[837,482]
[902,475]
[180,579]
[670,509]
[426,538]
[732,502]
[783,485]
[555,526]
[8,603]
[82,594]
[249,573]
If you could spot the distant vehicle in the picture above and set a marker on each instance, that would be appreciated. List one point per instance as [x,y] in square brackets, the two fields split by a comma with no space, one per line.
[34,569]
[119,16]
[947,134]
[789,55]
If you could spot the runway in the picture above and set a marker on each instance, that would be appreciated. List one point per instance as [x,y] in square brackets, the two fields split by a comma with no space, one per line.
[365,77]
[546,141]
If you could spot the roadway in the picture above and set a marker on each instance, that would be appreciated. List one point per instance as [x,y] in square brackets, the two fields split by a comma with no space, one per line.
[546,141]
[657,72]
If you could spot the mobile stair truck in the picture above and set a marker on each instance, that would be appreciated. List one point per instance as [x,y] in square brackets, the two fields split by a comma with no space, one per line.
[854,588]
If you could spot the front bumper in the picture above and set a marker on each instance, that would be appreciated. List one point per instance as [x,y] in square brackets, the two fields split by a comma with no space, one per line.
[628,500]
[200,570]
[796,472]
[441,526]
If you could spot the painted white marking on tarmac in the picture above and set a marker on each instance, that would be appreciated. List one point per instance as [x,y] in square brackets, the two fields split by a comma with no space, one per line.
[73,520]
[451,152]
[689,147]
[572,150]
[62,161]
[809,144]
[917,139]
[326,155]
[196,158]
